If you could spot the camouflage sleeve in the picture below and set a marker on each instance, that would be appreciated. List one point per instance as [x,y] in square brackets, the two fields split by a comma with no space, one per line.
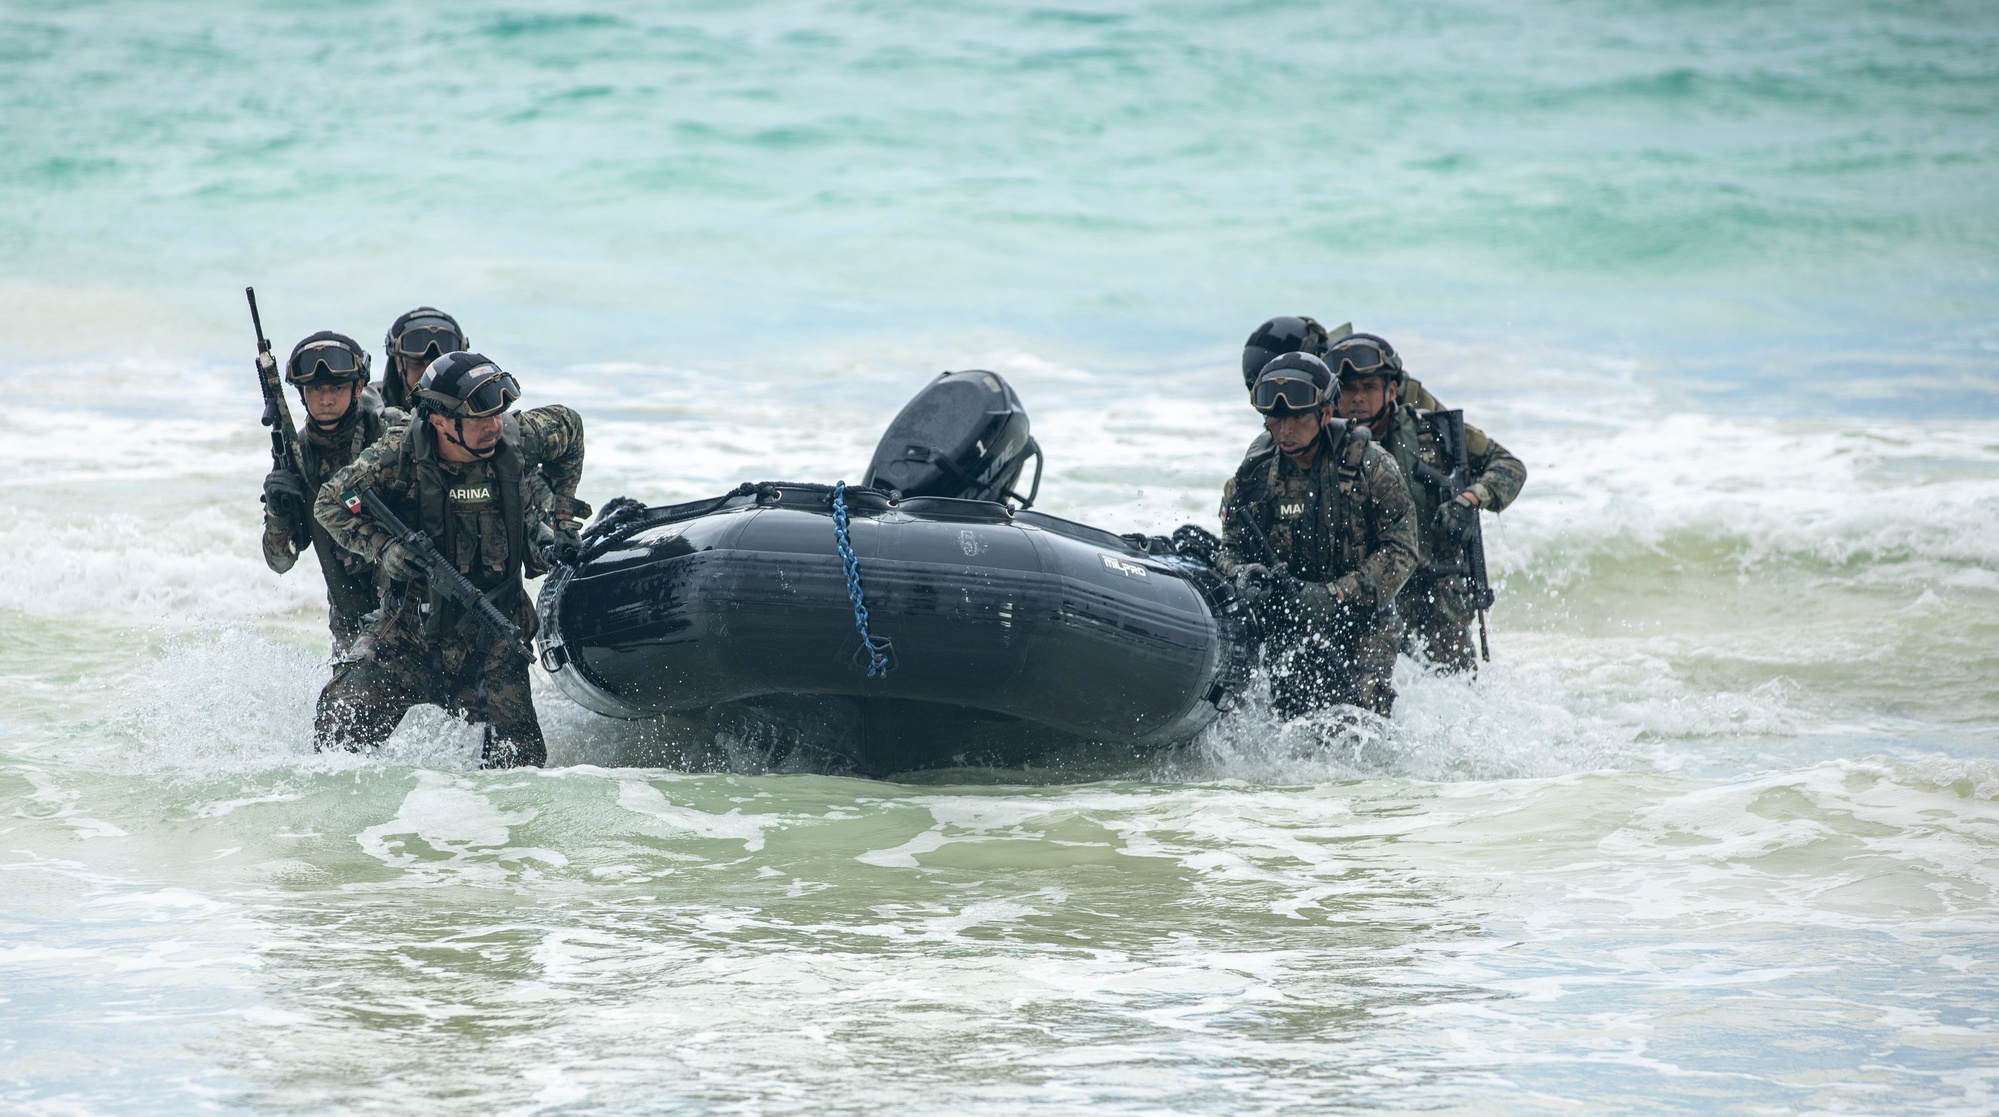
[1391,518]
[1417,396]
[1500,474]
[1236,547]
[537,508]
[552,442]
[537,501]
[376,464]
[278,553]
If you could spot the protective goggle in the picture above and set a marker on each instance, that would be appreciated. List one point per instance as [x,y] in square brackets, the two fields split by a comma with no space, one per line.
[329,361]
[419,341]
[1272,393]
[490,395]
[1361,359]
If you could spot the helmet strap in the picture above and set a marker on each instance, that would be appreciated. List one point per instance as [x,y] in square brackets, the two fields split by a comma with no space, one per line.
[458,440]
[353,401]
[1391,394]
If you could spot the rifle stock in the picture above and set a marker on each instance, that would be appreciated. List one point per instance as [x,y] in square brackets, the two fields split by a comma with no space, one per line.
[285,453]
[444,576]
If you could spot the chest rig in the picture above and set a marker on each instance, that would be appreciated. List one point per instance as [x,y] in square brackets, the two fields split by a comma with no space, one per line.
[349,578]
[322,459]
[474,515]
[1314,519]
[1423,452]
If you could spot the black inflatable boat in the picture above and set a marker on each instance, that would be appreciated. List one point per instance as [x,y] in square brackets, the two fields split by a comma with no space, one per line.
[996,632]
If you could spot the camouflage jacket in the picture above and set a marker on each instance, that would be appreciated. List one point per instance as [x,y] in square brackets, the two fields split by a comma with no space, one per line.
[483,516]
[1346,521]
[325,453]
[1417,440]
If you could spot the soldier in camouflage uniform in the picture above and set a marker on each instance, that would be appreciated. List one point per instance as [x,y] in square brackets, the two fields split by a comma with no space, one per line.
[496,493]
[415,339]
[1341,540]
[342,418]
[1437,603]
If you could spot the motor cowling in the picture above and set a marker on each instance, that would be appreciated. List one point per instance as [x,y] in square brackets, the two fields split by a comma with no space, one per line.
[965,435]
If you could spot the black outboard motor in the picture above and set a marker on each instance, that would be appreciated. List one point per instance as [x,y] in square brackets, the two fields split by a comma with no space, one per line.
[964,435]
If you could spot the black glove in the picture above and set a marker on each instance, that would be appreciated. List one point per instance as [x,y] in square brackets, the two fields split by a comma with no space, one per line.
[1252,579]
[561,543]
[1259,585]
[399,562]
[284,494]
[1457,517]
[1317,602]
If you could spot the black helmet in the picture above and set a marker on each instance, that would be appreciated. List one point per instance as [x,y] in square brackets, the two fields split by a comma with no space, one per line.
[1293,384]
[327,358]
[1282,335]
[425,333]
[1364,355]
[465,386]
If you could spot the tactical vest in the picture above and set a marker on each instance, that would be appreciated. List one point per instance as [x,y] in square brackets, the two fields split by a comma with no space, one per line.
[1427,447]
[350,579]
[500,532]
[1259,483]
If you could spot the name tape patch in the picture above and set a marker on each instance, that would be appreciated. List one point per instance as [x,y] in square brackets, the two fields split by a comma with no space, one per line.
[481,493]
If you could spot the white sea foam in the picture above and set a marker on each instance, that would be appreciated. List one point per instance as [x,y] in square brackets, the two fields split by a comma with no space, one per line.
[1910,512]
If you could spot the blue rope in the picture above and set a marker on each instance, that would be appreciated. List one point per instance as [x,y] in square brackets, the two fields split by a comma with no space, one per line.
[877,660]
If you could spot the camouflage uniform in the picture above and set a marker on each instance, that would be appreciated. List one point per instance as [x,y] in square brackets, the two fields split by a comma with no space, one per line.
[350,580]
[1345,523]
[484,516]
[1436,607]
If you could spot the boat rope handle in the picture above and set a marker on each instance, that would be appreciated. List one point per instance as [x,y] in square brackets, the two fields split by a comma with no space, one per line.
[877,659]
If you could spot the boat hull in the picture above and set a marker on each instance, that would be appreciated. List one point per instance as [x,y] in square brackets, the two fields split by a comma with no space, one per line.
[1008,633]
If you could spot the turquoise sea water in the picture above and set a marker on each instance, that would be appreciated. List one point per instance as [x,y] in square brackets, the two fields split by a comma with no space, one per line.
[1717,830]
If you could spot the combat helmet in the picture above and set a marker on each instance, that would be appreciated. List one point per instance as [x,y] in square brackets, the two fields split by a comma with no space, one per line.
[423,334]
[461,386]
[1294,384]
[1285,334]
[327,358]
[1364,355]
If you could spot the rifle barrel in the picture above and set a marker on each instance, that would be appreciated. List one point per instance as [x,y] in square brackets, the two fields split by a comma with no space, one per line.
[257,320]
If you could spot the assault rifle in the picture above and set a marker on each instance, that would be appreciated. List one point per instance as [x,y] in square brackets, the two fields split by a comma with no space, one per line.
[1270,559]
[1267,601]
[284,435]
[444,577]
[1472,565]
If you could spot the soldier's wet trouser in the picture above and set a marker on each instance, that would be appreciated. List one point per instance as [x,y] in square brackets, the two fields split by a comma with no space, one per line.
[391,668]
[346,628]
[1437,616]
[1349,663]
